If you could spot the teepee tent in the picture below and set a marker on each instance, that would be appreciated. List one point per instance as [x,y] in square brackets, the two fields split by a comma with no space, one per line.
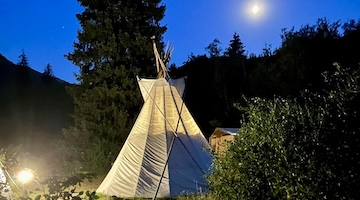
[165,154]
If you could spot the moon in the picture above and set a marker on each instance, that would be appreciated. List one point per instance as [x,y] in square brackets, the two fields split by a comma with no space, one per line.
[255,9]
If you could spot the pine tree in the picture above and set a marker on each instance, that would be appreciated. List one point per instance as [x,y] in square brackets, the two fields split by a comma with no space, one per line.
[114,46]
[48,71]
[23,71]
[23,60]
[236,47]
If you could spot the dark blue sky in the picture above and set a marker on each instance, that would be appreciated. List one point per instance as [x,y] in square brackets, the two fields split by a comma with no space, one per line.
[46,29]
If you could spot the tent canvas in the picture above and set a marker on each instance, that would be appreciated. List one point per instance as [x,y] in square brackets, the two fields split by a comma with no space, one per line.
[5,190]
[165,154]
[2,177]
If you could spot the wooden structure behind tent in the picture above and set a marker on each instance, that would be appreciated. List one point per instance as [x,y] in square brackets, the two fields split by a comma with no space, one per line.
[220,138]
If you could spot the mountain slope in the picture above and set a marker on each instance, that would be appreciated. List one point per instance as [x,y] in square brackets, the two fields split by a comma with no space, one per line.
[31,104]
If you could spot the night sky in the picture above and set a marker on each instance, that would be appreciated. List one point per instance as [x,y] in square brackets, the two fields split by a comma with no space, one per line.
[46,29]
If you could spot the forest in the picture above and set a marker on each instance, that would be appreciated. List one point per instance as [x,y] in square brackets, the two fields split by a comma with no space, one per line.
[218,80]
[308,87]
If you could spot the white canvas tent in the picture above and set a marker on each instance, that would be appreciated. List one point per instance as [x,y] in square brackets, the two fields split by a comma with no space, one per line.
[165,154]
[5,190]
[2,177]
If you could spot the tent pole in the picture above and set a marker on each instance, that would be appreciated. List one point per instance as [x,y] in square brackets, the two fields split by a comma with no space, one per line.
[175,133]
[168,156]
[166,163]
[172,143]
[180,118]
[160,66]
[155,54]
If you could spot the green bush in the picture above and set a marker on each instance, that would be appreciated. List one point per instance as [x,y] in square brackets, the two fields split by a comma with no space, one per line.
[296,149]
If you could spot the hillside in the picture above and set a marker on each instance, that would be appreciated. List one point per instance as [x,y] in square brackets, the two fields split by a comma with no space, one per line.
[31,105]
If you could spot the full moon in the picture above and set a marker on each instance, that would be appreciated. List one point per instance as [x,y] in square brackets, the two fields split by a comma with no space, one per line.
[255,9]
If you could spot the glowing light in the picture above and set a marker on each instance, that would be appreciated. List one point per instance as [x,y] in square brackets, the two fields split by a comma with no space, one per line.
[255,9]
[25,176]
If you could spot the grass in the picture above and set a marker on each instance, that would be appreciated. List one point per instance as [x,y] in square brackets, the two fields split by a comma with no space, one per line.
[91,186]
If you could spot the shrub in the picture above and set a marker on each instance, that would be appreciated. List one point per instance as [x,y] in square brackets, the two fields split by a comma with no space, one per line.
[300,149]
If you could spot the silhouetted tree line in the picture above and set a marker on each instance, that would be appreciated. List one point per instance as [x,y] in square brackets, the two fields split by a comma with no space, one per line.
[218,80]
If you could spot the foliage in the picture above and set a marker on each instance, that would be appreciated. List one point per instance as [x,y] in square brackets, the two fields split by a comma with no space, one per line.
[261,164]
[299,62]
[114,46]
[23,72]
[197,197]
[2,184]
[61,187]
[214,48]
[339,133]
[296,149]
[351,26]
[236,47]
[215,83]
[23,60]
[48,72]
[42,186]
[53,187]
[211,90]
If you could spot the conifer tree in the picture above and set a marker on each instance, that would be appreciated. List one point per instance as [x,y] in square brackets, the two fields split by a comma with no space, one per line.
[23,72]
[48,71]
[48,74]
[23,60]
[236,47]
[114,45]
